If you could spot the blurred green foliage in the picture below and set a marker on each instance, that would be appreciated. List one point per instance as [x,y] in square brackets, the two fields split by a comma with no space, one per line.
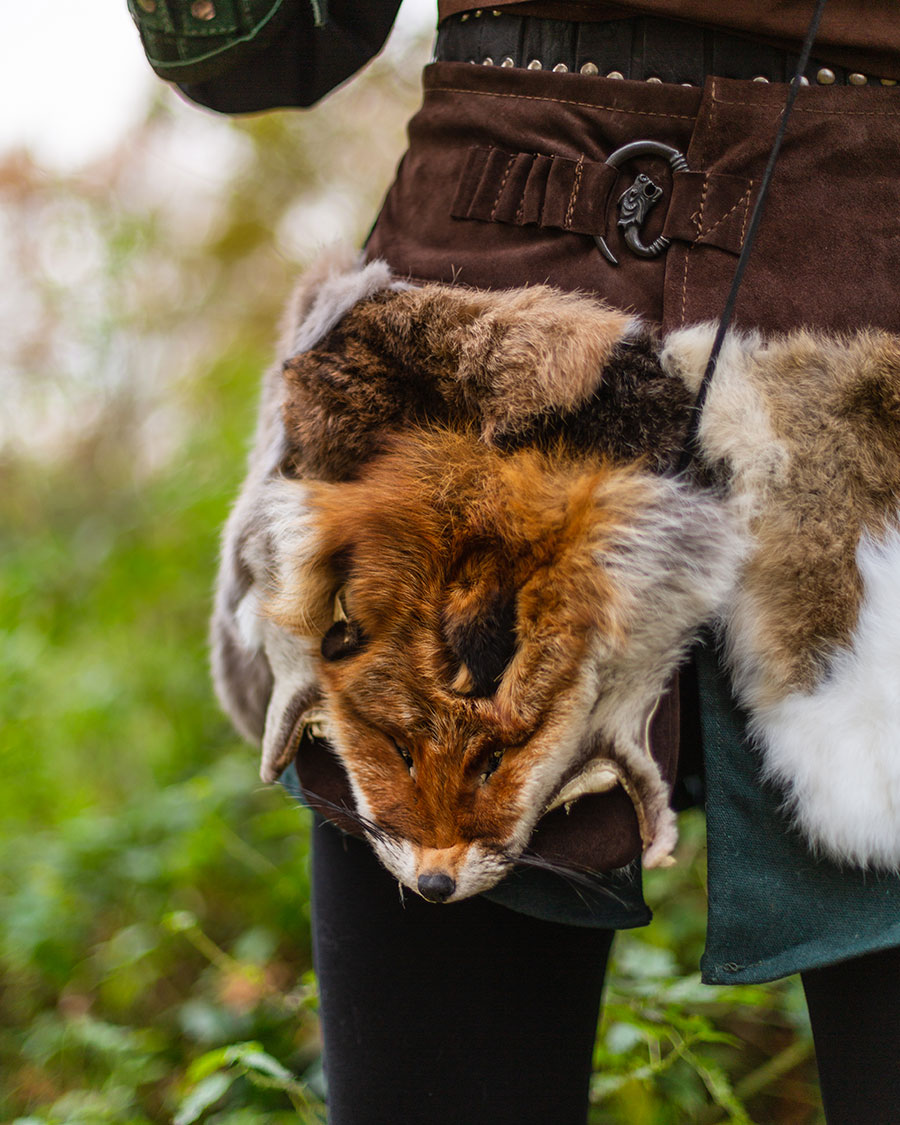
[154,929]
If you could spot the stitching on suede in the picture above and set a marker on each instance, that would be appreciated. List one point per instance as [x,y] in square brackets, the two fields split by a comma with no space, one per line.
[814,110]
[509,165]
[570,210]
[745,199]
[560,101]
[520,211]
[746,211]
[702,205]
[687,258]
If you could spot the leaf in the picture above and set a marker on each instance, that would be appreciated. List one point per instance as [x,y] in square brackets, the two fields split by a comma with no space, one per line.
[217,1059]
[204,1095]
[717,1082]
[253,1057]
[622,1037]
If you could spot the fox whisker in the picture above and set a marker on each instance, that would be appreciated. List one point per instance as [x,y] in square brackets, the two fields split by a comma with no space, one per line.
[575,876]
[316,800]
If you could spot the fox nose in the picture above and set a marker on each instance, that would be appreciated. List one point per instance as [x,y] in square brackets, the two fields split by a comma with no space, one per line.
[436,886]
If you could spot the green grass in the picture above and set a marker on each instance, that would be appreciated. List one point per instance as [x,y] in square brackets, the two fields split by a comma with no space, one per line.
[127,799]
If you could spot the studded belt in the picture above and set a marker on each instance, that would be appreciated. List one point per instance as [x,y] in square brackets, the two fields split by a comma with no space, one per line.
[645,49]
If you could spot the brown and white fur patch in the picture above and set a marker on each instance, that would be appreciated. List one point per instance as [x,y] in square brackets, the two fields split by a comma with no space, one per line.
[804,433]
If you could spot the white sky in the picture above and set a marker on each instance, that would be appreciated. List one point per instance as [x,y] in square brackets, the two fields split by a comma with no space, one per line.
[73,77]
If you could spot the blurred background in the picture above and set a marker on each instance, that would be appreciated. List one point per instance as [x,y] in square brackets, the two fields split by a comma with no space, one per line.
[154,929]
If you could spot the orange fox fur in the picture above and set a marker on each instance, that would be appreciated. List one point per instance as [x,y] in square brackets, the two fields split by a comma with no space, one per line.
[436,531]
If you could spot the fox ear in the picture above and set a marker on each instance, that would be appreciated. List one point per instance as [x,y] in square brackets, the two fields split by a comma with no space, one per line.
[338,395]
[241,672]
[328,290]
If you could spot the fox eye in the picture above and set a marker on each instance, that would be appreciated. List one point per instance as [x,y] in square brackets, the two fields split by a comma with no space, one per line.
[405,755]
[493,762]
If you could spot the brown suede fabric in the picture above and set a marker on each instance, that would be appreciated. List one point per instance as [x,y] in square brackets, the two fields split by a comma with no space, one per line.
[569,117]
[503,148]
[504,185]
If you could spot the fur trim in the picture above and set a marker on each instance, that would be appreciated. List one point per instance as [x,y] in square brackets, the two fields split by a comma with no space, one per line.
[500,362]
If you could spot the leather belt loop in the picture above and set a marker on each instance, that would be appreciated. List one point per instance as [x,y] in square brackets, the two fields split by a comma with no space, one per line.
[710,209]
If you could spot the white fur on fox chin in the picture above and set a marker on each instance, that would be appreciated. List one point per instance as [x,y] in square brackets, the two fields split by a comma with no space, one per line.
[836,748]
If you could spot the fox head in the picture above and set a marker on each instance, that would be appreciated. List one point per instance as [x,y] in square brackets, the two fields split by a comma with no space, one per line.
[482,633]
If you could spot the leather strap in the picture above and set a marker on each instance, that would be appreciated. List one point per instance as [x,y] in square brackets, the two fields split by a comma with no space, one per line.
[534,189]
[639,48]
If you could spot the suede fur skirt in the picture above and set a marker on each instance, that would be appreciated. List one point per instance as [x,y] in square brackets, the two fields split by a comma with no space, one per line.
[505,183]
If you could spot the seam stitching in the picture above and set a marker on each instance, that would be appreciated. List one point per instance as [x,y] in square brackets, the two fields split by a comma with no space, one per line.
[570,210]
[702,206]
[742,201]
[746,211]
[520,211]
[509,165]
[559,101]
[816,109]
[687,258]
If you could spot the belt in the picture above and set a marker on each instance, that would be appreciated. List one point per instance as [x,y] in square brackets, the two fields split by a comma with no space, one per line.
[642,48]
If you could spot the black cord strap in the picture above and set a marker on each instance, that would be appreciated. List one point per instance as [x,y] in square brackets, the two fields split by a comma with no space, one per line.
[690,445]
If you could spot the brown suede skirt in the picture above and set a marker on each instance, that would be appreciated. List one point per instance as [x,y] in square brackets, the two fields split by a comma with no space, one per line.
[505,184]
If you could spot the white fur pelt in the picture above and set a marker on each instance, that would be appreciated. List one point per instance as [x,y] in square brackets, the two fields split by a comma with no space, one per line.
[836,748]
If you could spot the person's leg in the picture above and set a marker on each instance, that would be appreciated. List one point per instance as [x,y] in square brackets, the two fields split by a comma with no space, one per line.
[854,1009]
[467,1012]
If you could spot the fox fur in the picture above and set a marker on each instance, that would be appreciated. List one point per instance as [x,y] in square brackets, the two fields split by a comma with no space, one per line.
[462,553]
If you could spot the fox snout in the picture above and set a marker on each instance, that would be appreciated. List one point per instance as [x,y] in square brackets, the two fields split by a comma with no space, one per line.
[436,886]
[437,870]
[441,874]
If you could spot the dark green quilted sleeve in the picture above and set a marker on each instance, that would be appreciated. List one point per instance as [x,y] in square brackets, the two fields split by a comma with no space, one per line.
[194,40]
[243,56]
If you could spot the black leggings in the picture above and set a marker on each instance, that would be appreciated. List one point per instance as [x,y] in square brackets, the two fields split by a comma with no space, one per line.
[467,1014]
[437,1015]
[854,1009]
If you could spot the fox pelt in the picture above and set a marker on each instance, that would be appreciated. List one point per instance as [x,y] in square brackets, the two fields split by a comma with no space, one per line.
[462,554]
